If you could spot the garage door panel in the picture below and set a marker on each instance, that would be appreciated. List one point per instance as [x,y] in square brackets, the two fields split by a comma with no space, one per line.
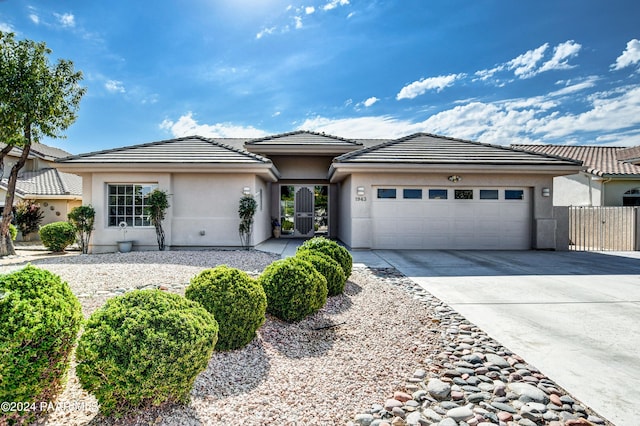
[452,224]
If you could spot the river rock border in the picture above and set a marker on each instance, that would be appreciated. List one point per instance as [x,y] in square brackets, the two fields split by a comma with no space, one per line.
[472,381]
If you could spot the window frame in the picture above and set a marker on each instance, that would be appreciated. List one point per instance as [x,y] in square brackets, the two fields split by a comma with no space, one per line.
[432,193]
[485,191]
[133,195]
[466,191]
[413,190]
[379,193]
[511,198]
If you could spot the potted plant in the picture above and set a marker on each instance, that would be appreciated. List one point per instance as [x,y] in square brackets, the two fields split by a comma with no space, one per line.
[124,245]
[277,228]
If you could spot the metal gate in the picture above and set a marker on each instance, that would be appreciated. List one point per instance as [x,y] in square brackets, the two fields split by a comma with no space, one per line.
[602,228]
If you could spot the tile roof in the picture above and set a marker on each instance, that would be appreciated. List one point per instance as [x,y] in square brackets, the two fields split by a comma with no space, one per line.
[631,155]
[192,149]
[303,137]
[46,182]
[599,160]
[425,148]
[41,150]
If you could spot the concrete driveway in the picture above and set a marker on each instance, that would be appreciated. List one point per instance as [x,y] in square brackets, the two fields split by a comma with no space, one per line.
[575,316]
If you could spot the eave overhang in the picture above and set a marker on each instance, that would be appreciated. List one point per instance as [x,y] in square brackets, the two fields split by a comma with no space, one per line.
[338,171]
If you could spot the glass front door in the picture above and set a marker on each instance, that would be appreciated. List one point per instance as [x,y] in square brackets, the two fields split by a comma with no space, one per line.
[304,210]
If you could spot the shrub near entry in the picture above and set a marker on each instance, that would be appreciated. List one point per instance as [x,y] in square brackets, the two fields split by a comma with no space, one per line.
[144,348]
[39,323]
[331,249]
[235,299]
[294,289]
[329,268]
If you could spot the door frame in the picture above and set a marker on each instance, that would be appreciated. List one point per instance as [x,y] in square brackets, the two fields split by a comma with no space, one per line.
[288,210]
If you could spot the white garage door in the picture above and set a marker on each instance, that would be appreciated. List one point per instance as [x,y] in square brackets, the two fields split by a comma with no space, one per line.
[448,218]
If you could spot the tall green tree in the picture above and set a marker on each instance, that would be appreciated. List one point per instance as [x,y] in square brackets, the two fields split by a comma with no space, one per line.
[37,99]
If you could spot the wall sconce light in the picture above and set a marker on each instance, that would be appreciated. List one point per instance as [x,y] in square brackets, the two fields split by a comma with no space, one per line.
[546,192]
[455,178]
[360,191]
[246,190]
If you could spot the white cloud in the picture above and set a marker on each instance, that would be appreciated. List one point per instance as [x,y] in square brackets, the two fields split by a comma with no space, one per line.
[335,3]
[309,10]
[114,86]
[372,100]
[298,22]
[571,87]
[265,31]
[524,65]
[421,86]
[187,126]
[34,18]
[66,19]
[528,120]
[6,28]
[561,55]
[630,56]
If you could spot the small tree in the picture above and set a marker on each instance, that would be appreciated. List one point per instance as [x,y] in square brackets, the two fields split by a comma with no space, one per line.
[83,218]
[247,210]
[37,99]
[28,216]
[157,204]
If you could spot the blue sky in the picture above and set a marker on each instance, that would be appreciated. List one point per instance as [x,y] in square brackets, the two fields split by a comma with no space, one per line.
[502,72]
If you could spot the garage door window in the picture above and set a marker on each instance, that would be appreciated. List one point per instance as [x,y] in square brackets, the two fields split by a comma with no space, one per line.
[412,194]
[386,193]
[463,194]
[488,194]
[437,194]
[513,194]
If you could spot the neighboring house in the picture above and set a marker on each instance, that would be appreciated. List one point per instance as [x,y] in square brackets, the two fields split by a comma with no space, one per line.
[39,180]
[611,176]
[420,191]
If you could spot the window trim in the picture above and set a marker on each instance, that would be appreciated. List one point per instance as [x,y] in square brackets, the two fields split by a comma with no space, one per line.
[495,192]
[446,194]
[506,198]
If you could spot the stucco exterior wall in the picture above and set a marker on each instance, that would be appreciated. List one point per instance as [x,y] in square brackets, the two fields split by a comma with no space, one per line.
[302,167]
[105,237]
[205,208]
[359,236]
[615,189]
[577,190]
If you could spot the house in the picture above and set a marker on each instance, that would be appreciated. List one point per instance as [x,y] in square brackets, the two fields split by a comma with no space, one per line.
[56,192]
[611,176]
[420,191]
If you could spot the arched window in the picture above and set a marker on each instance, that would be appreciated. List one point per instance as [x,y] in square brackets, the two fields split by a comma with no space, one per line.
[631,197]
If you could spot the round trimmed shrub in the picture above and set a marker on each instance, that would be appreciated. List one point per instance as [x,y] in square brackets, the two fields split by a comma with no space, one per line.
[39,322]
[329,268]
[294,289]
[144,348]
[331,249]
[57,236]
[235,299]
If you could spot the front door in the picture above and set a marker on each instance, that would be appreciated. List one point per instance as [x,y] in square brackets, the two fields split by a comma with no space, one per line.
[303,210]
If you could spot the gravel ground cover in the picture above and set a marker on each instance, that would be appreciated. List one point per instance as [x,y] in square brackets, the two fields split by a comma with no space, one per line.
[385,353]
[320,371]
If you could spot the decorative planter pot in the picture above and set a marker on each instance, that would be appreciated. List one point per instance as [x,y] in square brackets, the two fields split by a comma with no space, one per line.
[276,232]
[124,246]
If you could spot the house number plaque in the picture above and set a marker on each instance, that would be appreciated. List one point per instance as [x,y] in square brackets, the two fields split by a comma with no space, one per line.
[361,198]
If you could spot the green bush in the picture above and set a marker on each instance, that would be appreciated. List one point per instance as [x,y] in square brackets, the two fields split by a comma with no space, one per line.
[329,268]
[294,289]
[57,236]
[144,348]
[235,299]
[331,249]
[39,323]
[13,231]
